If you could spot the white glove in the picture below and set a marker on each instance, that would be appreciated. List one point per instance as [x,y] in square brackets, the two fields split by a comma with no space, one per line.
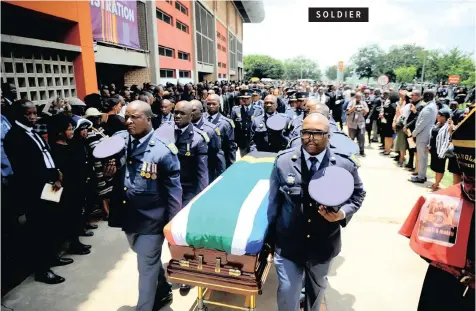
[367,121]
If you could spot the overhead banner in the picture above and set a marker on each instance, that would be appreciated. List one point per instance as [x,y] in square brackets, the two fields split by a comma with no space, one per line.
[115,21]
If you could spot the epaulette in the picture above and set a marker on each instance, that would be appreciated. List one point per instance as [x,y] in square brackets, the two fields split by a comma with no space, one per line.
[171,146]
[229,121]
[290,124]
[122,133]
[291,141]
[351,157]
[203,134]
[217,130]
[285,151]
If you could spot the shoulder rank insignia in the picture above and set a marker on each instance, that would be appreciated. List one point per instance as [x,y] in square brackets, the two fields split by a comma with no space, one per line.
[290,180]
[232,124]
[217,130]
[205,136]
[290,124]
[356,161]
[172,148]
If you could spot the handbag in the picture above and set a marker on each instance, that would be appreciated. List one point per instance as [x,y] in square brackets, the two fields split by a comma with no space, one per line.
[449,153]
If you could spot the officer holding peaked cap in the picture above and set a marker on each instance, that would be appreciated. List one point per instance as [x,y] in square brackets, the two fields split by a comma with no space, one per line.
[305,233]
[441,229]
[267,129]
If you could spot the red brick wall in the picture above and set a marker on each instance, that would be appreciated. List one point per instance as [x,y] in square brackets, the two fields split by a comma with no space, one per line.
[137,76]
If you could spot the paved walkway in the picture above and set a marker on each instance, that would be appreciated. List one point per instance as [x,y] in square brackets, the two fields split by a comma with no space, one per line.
[376,270]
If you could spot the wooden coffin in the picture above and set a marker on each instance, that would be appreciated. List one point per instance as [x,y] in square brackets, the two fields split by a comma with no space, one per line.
[217,270]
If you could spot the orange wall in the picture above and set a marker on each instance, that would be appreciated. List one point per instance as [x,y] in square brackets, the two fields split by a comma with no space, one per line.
[171,37]
[81,34]
[222,56]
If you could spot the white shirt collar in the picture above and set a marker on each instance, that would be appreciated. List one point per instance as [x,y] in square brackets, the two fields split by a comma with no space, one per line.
[29,129]
[214,116]
[319,157]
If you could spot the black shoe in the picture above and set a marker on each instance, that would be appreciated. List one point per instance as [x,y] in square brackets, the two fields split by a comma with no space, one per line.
[374,140]
[80,245]
[96,212]
[87,233]
[49,277]
[91,227]
[78,250]
[362,154]
[162,301]
[409,167]
[58,261]
[396,158]
[184,289]
[416,179]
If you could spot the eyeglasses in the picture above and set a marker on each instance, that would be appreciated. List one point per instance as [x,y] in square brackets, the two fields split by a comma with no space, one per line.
[306,134]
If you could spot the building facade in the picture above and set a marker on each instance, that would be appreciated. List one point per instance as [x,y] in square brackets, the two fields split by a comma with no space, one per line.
[75,46]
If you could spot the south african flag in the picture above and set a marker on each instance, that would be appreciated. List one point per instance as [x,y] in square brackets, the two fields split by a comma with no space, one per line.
[229,215]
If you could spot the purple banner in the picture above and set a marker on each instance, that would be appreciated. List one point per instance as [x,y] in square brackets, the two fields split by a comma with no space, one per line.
[115,21]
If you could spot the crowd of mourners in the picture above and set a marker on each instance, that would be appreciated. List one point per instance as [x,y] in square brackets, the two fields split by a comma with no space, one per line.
[64,132]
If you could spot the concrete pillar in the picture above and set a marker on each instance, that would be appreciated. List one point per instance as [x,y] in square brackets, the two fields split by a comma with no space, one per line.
[153,42]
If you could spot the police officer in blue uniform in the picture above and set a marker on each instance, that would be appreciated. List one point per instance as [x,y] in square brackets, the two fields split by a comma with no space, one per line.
[225,126]
[147,194]
[256,100]
[298,110]
[216,156]
[265,136]
[306,235]
[243,117]
[192,145]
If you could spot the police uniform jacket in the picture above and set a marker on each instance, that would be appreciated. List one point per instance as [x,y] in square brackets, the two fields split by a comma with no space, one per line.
[144,205]
[259,103]
[243,121]
[193,155]
[294,113]
[300,233]
[227,133]
[216,156]
[263,139]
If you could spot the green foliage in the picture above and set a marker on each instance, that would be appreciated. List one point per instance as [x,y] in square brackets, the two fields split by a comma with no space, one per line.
[331,73]
[405,74]
[301,68]
[370,61]
[367,62]
[263,66]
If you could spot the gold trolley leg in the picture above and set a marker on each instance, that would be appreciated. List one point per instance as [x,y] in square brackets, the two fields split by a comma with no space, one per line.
[200,304]
[252,303]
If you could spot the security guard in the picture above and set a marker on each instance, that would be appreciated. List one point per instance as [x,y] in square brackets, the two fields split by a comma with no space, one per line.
[225,126]
[146,195]
[216,156]
[306,235]
[297,110]
[256,100]
[243,117]
[192,152]
[269,137]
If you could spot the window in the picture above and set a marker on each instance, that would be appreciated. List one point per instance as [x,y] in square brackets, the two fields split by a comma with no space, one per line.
[205,33]
[182,26]
[219,46]
[224,76]
[223,65]
[181,8]
[168,1]
[184,74]
[167,73]
[219,75]
[219,64]
[163,51]
[183,55]
[163,17]
[218,35]
[223,49]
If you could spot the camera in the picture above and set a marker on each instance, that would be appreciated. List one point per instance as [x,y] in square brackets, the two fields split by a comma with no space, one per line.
[358,107]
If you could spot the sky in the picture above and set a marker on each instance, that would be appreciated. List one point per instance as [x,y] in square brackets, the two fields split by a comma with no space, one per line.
[286,32]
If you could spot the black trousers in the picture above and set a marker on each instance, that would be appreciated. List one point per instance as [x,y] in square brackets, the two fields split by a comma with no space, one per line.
[443,291]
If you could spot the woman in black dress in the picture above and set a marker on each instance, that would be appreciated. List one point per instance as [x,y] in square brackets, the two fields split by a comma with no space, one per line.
[438,158]
[113,122]
[386,119]
[71,162]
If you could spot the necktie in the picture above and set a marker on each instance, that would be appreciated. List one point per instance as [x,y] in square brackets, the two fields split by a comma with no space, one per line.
[209,118]
[313,165]
[134,145]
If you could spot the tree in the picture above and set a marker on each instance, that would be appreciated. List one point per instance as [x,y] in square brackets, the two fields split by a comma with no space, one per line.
[405,74]
[402,56]
[348,71]
[301,68]
[263,66]
[331,73]
[440,65]
[367,61]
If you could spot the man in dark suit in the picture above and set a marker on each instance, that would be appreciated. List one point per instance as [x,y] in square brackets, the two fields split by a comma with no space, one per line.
[306,235]
[33,167]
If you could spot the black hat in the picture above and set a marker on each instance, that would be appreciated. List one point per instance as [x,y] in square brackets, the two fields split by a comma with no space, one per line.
[245,93]
[464,144]
[292,97]
[276,122]
[290,91]
[332,187]
[445,112]
[256,92]
[302,95]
